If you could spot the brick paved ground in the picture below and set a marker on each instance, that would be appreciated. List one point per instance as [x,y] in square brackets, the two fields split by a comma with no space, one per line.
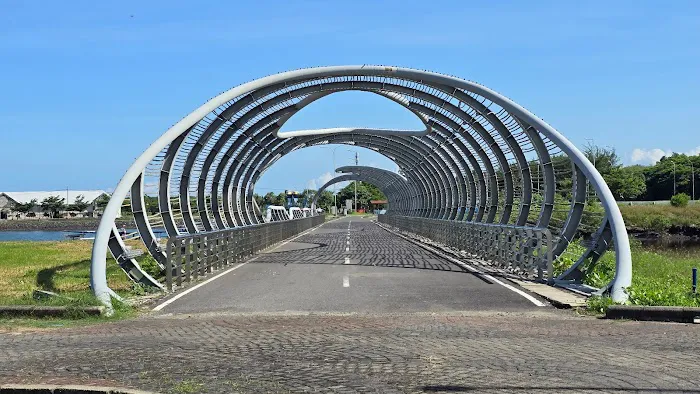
[486,351]
[477,350]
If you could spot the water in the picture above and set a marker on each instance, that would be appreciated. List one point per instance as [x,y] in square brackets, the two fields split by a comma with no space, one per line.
[55,235]
[670,242]
[34,235]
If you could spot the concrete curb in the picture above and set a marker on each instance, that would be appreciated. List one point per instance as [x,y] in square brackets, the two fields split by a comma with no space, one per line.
[49,311]
[51,389]
[654,313]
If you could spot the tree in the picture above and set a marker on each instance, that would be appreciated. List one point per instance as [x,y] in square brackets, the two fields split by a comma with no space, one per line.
[306,197]
[26,207]
[660,177]
[269,199]
[604,159]
[281,200]
[79,205]
[627,183]
[258,199]
[53,205]
[151,204]
[325,200]
[375,193]
[364,195]
[101,201]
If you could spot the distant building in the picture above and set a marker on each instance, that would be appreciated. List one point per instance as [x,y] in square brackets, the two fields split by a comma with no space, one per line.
[9,200]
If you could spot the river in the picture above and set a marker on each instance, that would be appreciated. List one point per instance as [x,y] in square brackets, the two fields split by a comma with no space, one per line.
[55,235]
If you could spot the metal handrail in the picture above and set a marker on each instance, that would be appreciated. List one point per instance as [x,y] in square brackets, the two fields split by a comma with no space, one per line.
[190,256]
[524,251]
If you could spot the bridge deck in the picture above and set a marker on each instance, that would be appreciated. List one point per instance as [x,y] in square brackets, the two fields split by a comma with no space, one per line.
[349,265]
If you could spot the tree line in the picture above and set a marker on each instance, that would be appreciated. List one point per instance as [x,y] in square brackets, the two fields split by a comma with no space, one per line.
[669,176]
[53,205]
[627,183]
[366,192]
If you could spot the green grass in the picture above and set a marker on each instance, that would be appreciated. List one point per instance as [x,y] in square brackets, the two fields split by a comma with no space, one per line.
[62,267]
[660,277]
[76,318]
[660,217]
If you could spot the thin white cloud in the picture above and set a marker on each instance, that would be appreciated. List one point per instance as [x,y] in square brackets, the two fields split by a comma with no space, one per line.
[319,181]
[311,184]
[651,156]
[325,178]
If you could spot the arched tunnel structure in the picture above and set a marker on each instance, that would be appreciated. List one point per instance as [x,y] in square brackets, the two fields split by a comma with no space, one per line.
[479,158]
[401,195]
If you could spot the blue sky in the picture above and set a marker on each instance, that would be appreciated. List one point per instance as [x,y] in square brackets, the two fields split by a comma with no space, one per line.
[86,86]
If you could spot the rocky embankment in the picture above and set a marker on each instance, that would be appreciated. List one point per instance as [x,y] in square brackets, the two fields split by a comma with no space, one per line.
[56,224]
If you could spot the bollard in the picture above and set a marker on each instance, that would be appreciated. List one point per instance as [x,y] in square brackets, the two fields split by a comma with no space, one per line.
[695,280]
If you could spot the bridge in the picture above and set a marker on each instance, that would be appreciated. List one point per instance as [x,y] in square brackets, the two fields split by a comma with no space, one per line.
[484,177]
[433,296]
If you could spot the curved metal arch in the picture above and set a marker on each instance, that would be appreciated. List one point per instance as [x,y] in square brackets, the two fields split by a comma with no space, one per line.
[294,147]
[363,86]
[403,157]
[375,176]
[237,101]
[392,184]
[355,86]
[283,115]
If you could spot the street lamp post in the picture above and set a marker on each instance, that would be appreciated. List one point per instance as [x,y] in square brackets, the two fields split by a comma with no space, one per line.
[591,145]
[357,159]
[692,180]
[335,186]
[674,177]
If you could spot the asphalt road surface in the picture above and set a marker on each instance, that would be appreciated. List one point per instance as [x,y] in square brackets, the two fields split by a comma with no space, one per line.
[350,265]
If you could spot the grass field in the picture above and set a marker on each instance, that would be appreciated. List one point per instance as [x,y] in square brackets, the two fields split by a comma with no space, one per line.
[62,267]
[660,277]
[660,217]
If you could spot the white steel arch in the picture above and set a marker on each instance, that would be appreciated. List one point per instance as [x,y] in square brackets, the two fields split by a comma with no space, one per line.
[481,157]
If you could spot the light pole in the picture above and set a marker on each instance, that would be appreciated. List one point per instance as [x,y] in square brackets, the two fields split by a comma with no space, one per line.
[357,160]
[335,185]
[591,145]
[692,180]
[674,177]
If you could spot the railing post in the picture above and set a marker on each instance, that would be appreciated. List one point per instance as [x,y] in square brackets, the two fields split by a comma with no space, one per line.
[169,264]
[550,257]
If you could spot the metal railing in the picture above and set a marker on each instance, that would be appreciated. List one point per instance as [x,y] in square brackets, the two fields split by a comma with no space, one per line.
[524,251]
[189,257]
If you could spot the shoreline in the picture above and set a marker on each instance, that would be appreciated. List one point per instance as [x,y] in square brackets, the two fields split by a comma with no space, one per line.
[676,233]
[88,224]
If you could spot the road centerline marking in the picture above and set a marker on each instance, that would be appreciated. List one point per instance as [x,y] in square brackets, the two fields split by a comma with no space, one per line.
[346,281]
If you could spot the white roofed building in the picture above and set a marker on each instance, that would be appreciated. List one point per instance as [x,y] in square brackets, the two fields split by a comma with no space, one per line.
[10,200]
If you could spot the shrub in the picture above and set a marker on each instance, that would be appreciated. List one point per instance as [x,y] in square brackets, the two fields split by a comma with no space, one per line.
[150,266]
[680,200]
[597,304]
[659,223]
